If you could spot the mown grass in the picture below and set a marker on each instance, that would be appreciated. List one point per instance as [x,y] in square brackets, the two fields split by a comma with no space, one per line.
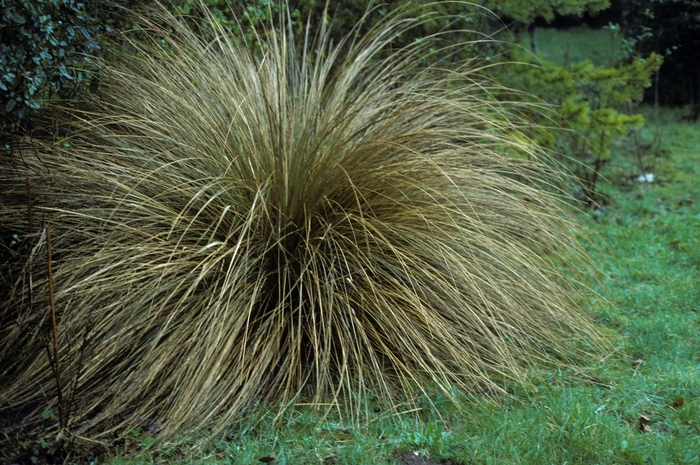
[624,409]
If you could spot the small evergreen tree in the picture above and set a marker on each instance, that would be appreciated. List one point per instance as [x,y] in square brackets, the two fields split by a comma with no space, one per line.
[592,104]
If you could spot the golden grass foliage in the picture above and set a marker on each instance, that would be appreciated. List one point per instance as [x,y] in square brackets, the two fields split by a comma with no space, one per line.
[317,221]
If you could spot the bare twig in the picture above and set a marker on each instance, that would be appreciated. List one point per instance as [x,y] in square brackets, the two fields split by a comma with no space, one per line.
[637,145]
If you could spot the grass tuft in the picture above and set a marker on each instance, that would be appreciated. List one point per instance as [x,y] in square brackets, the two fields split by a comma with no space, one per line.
[309,222]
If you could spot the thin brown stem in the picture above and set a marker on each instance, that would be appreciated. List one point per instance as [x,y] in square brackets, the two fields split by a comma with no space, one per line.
[657,128]
[596,170]
[637,145]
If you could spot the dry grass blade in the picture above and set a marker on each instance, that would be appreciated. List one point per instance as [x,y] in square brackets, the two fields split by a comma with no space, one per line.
[240,228]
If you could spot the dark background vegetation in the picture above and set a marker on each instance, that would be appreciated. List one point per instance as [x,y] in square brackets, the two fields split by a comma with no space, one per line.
[669,28]
[48,45]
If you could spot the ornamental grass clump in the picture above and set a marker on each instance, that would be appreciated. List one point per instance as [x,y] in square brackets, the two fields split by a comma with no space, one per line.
[232,226]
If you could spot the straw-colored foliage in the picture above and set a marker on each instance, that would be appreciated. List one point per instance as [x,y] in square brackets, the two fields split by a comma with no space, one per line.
[316,222]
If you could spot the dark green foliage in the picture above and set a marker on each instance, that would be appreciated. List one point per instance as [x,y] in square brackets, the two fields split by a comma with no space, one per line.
[670,28]
[245,18]
[526,11]
[247,21]
[46,47]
